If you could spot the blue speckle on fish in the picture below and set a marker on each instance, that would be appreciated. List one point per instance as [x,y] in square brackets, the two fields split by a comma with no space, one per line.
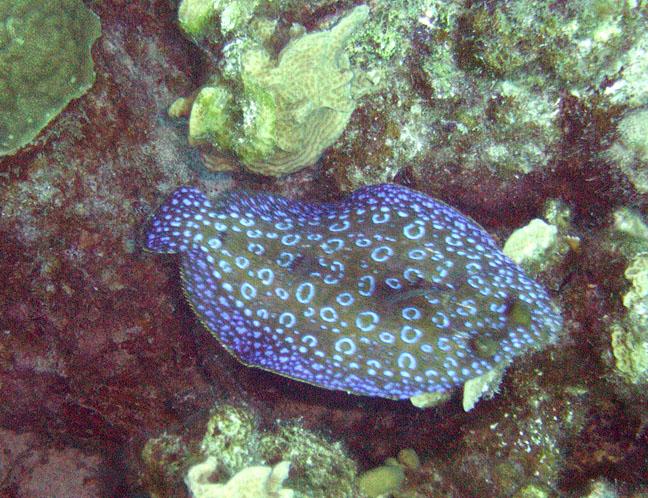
[386,293]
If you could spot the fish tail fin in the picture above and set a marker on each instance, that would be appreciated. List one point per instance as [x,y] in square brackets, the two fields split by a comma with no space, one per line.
[176,222]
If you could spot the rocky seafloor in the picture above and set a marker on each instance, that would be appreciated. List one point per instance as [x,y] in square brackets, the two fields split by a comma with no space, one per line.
[508,111]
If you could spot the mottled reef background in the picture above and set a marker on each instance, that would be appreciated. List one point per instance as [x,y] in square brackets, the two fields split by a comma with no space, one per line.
[494,107]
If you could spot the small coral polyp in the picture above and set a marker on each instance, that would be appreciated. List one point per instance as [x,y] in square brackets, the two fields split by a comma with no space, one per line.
[278,115]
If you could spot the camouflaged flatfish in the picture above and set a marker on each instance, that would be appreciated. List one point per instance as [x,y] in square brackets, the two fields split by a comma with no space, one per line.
[386,293]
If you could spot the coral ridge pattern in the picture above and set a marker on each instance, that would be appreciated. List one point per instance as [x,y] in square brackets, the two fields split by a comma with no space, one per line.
[290,109]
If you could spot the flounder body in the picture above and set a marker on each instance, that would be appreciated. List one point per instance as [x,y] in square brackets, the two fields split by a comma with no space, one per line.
[386,293]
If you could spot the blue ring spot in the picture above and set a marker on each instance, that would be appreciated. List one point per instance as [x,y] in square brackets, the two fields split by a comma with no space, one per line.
[473,267]
[214,243]
[337,266]
[345,299]
[328,314]
[242,262]
[387,337]
[310,340]
[308,289]
[410,335]
[453,242]
[287,319]
[476,282]
[254,234]
[416,254]
[367,321]
[340,226]
[378,218]
[283,225]
[407,360]
[345,346]
[332,245]
[411,313]
[394,283]
[450,362]
[255,248]
[266,275]
[444,344]
[290,239]
[413,274]
[413,231]
[366,281]
[382,253]
[441,320]
[285,259]
[248,291]
[310,311]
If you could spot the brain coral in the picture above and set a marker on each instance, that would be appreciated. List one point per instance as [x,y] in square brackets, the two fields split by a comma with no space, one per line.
[33,90]
[287,110]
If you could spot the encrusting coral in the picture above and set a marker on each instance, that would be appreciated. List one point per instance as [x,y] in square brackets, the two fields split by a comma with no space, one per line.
[33,90]
[629,335]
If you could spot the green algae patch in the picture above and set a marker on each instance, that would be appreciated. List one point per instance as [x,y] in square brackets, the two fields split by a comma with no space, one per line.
[45,62]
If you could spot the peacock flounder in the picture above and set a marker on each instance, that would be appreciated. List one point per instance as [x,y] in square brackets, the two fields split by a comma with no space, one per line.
[387,293]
